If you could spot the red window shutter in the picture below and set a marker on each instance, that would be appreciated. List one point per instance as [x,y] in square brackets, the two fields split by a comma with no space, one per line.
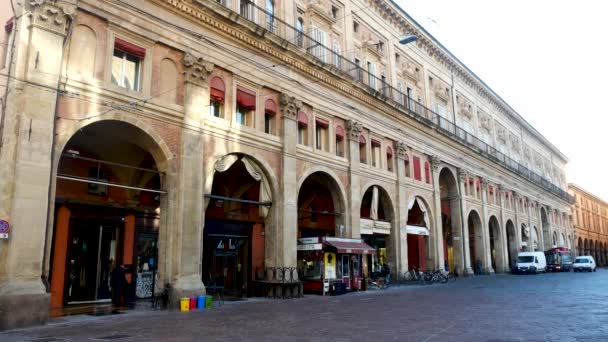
[427,173]
[417,172]
[245,98]
[302,119]
[129,48]
[270,107]
[339,133]
[218,89]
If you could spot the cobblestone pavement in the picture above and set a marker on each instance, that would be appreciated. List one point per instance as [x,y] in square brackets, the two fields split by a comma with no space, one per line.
[548,307]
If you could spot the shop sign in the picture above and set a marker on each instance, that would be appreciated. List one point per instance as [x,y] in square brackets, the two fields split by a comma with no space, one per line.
[4,229]
[226,245]
[310,247]
[308,240]
[416,230]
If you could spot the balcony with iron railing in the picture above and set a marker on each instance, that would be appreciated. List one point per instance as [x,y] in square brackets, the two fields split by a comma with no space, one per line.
[380,89]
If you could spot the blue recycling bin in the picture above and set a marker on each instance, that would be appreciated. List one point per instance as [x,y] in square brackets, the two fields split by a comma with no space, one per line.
[200,303]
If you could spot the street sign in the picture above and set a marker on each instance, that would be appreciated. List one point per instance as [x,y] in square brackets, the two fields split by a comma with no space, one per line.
[4,229]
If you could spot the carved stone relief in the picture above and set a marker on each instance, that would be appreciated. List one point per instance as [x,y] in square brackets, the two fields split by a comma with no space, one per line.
[484,121]
[197,69]
[465,108]
[52,15]
[401,150]
[290,106]
[501,133]
[354,129]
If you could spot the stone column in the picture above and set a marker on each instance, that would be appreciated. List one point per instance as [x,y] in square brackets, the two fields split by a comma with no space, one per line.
[25,159]
[355,196]
[485,228]
[400,231]
[504,234]
[187,280]
[282,242]
[468,271]
[437,235]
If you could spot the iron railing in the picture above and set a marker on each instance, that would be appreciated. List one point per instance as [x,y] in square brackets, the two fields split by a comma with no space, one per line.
[315,47]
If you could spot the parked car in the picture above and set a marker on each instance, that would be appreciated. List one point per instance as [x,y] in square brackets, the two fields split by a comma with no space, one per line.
[530,262]
[584,263]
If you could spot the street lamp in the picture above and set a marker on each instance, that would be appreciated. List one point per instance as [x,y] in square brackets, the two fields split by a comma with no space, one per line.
[410,38]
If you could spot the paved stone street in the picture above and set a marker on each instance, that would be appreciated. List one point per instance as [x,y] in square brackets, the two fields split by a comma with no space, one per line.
[548,307]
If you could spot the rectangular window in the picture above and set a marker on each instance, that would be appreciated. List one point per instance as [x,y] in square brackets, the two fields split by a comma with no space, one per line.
[318,47]
[371,76]
[302,135]
[389,161]
[245,106]
[417,171]
[215,108]
[247,9]
[322,135]
[406,166]
[362,153]
[358,70]
[336,52]
[375,153]
[427,173]
[126,65]
[339,147]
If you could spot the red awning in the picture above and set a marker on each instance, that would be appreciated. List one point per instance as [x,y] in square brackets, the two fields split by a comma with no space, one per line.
[245,98]
[339,132]
[270,107]
[217,89]
[302,119]
[389,151]
[375,143]
[129,48]
[362,140]
[349,247]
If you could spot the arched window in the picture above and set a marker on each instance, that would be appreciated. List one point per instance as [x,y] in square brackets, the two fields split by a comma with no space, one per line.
[300,29]
[427,173]
[270,111]
[217,96]
[362,149]
[302,128]
[270,22]
[339,141]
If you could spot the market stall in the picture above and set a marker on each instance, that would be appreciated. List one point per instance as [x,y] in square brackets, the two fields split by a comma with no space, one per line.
[331,261]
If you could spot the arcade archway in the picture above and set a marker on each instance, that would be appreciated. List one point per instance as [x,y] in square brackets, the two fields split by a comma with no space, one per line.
[236,215]
[476,245]
[418,231]
[546,226]
[511,242]
[496,245]
[377,219]
[109,194]
[451,221]
[525,238]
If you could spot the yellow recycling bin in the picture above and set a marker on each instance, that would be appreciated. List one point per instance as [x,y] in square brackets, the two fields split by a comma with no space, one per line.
[184,304]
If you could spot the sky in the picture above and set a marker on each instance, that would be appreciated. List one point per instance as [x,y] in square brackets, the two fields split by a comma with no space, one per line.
[547,58]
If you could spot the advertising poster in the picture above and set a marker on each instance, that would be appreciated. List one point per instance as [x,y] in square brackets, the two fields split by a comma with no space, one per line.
[330,265]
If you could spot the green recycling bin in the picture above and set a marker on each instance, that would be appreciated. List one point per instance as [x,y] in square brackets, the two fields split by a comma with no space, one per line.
[208,302]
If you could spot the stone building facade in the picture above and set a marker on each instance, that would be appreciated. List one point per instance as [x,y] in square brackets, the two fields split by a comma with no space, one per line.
[590,221]
[197,139]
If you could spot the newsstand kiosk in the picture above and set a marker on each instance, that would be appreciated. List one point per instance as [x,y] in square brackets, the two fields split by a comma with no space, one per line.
[333,261]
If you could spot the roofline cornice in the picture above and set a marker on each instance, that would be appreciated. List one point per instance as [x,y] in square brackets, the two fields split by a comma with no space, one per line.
[398,17]
[579,188]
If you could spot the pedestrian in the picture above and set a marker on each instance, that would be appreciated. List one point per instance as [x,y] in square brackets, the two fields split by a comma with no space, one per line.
[118,284]
[387,274]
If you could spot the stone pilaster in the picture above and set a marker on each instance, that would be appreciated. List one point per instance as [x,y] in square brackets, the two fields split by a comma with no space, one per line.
[355,196]
[402,210]
[485,224]
[437,235]
[190,208]
[286,234]
[25,159]
[462,177]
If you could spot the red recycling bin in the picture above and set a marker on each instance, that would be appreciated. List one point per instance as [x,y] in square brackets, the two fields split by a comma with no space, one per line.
[192,303]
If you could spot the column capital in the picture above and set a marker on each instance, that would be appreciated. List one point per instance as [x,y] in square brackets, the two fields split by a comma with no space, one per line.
[462,175]
[290,106]
[52,15]
[401,150]
[197,70]
[484,183]
[435,161]
[354,129]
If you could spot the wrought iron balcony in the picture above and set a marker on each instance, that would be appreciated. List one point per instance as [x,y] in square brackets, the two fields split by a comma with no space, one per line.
[377,87]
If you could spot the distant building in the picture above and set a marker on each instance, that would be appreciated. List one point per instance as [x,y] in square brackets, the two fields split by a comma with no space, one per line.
[590,217]
[196,142]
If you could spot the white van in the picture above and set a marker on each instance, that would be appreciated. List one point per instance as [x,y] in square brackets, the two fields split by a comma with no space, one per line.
[531,262]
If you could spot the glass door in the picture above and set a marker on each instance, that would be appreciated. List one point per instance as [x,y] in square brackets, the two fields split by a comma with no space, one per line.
[346,270]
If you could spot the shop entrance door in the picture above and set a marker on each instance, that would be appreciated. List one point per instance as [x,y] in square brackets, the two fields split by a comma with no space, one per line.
[91,255]
[346,270]
[229,265]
